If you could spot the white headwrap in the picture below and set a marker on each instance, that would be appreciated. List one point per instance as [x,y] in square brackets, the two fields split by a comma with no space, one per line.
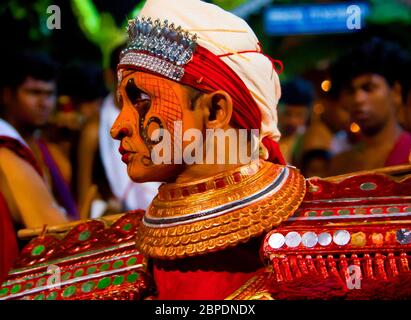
[221,32]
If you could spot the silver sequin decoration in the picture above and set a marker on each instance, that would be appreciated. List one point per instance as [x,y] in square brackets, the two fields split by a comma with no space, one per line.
[293,239]
[166,48]
[324,239]
[276,240]
[154,64]
[309,239]
[341,237]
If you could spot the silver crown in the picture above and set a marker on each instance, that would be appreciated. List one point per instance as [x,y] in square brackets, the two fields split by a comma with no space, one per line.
[161,40]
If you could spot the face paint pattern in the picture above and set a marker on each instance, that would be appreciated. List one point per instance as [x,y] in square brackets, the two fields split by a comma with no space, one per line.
[164,100]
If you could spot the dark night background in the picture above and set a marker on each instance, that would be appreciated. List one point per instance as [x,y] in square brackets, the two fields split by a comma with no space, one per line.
[23,26]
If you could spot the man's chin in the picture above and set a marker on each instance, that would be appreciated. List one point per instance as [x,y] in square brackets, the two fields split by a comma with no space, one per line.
[153,174]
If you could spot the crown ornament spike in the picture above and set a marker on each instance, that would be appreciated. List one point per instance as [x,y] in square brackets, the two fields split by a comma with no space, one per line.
[158,46]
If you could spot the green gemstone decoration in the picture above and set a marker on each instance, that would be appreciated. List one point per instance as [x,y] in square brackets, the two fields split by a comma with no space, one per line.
[132,277]
[393,210]
[105,266]
[104,283]
[118,264]
[40,282]
[79,273]
[88,286]
[69,291]
[91,270]
[4,291]
[327,213]
[312,213]
[131,261]
[39,297]
[38,250]
[16,288]
[360,211]
[376,210]
[84,235]
[118,280]
[127,227]
[52,295]
[368,186]
[28,285]
[343,212]
[66,276]
[313,188]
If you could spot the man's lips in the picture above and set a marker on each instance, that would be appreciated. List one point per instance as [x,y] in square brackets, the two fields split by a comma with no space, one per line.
[360,115]
[125,154]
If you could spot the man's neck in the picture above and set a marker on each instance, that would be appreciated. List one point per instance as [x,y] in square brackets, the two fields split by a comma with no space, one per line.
[201,171]
[387,135]
[198,171]
[26,132]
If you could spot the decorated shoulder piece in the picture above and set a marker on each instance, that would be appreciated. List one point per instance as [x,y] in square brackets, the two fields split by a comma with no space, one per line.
[219,212]
[91,261]
[350,239]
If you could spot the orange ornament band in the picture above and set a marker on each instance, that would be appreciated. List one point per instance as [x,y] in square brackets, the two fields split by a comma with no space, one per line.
[219,212]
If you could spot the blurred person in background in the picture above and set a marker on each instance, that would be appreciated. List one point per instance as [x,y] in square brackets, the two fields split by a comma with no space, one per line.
[315,163]
[406,95]
[366,83]
[83,86]
[329,129]
[27,96]
[295,103]
[29,99]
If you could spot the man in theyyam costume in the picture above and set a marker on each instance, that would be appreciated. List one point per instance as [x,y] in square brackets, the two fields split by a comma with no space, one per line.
[218,228]
[193,62]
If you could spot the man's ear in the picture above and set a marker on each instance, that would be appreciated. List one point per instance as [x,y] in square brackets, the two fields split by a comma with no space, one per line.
[218,107]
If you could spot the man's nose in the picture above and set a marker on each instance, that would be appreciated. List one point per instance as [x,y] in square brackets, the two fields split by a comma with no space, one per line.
[121,128]
[45,101]
[360,97]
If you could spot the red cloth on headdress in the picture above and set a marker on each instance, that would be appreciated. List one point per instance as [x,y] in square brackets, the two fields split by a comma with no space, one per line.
[208,73]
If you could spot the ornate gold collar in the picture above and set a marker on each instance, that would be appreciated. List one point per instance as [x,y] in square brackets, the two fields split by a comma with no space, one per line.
[188,219]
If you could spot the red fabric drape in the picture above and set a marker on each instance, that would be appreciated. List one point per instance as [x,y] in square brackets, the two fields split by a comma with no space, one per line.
[213,276]
[401,151]
[8,240]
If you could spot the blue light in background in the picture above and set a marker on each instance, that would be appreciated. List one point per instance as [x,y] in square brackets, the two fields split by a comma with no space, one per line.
[311,19]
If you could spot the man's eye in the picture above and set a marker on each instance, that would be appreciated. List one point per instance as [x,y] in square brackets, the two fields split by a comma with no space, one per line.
[134,94]
[368,87]
[144,96]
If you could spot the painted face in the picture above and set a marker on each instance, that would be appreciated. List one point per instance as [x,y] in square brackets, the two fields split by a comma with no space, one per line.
[147,103]
[370,101]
